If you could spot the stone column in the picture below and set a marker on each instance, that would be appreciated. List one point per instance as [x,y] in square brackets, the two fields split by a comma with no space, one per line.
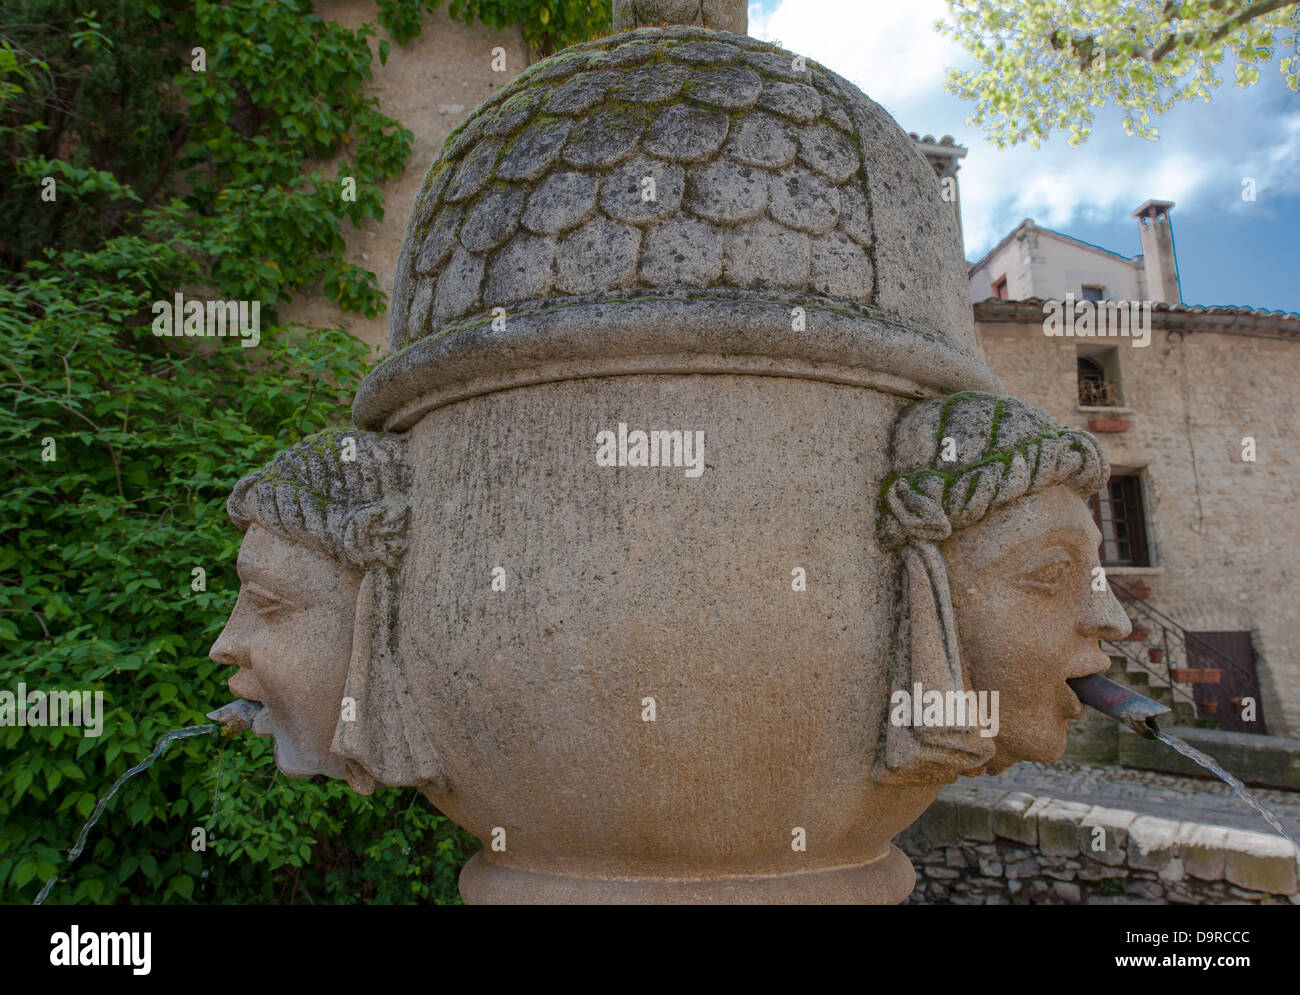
[721,15]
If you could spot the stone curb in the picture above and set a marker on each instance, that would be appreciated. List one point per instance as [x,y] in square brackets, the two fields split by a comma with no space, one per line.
[977,845]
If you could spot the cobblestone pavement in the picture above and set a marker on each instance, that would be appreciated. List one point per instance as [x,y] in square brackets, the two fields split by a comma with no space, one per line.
[1167,796]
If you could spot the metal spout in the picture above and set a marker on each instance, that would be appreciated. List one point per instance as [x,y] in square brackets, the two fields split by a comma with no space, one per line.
[1120,703]
[236,717]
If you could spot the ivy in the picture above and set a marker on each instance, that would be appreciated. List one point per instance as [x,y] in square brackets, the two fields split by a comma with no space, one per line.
[547,25]
[167,178]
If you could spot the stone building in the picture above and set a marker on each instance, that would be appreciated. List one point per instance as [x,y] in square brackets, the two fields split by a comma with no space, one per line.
[1197,419]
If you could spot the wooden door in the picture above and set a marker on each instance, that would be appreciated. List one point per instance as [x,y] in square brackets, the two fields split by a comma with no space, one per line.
[1237,681]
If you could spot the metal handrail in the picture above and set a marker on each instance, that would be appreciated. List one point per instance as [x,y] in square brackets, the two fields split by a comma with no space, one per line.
[1165,622]
[1177,692]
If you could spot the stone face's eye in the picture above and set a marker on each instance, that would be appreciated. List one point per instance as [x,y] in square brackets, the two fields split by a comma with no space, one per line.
[264,603]
[1048,572]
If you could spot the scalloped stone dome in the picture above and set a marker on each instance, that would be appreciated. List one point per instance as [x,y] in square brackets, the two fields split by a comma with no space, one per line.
[681,157]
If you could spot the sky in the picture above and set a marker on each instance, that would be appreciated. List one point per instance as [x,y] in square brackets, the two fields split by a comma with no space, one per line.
[1229,251]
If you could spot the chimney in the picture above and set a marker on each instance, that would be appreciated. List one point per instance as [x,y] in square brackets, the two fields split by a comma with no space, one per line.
[1158,252]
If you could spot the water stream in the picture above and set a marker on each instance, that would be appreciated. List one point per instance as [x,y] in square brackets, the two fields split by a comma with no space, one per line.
[145,764]
[1238,789]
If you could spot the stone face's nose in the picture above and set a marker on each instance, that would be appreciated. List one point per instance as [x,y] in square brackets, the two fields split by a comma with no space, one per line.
[720,15]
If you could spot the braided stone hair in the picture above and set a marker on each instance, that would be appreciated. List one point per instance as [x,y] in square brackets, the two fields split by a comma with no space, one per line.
[354,511]
[1005,450]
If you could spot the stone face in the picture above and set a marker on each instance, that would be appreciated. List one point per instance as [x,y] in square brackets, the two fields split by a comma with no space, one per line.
[602,253]
[619,305]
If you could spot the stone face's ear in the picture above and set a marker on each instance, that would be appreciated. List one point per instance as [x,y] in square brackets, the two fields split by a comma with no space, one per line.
[385,741]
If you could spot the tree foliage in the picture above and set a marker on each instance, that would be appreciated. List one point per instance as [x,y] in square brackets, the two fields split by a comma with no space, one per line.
[547,24]
[1046,64]
[169,179]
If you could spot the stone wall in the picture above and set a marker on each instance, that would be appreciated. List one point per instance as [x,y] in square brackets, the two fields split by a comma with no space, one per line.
[1221,528]
[1268,761]
[981,846]
[430,85]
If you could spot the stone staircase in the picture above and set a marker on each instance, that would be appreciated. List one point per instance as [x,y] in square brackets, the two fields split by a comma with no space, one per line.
[1143,660]
[1157,687]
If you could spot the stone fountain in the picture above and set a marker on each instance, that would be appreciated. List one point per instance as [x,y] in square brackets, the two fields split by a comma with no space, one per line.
[680,497]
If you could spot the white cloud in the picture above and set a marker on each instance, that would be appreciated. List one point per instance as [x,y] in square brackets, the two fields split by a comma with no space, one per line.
[890,49]
[892,52]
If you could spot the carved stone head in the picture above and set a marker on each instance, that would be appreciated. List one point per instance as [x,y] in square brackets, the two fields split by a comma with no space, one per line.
[999,589]
[313,629]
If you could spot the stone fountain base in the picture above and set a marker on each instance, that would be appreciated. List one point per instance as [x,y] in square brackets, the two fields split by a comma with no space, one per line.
[887,880]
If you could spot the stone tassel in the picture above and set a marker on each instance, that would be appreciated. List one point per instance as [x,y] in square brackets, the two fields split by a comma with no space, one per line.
[387,742]
[926,652]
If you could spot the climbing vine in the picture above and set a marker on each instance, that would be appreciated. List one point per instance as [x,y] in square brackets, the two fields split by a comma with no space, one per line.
[221,149]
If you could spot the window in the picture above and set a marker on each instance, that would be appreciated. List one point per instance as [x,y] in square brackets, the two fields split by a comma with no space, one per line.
[1118,512]
[1000,288]
[1098,368]
[1093,292]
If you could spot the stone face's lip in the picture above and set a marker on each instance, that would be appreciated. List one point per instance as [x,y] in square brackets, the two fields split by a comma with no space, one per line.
[682,331]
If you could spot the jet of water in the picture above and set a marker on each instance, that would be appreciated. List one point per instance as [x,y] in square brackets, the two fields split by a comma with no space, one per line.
[1238,789]
[145,764]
